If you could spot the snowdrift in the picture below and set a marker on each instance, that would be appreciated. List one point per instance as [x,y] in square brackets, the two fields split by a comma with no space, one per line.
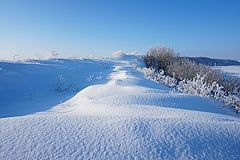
[34,86]
[120,116]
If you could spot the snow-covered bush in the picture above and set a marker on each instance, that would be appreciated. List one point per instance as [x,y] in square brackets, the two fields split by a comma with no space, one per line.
[184,76]
[158,76]
[197,86]
[182,68]
[159,57]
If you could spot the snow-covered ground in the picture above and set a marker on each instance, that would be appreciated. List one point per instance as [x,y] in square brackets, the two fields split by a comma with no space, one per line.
[35,86]
[232,70]
[118,116]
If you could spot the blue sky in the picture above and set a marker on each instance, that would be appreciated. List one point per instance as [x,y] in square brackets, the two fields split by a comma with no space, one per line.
[79,28]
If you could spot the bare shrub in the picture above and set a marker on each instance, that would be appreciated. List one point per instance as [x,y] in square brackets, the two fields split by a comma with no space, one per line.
[183,69]
[159,57]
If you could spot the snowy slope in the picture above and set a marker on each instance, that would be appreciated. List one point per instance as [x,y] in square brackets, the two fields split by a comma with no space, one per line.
[38,85]
[127,117]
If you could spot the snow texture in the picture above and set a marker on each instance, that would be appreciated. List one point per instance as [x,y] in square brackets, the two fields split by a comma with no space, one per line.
[123,116]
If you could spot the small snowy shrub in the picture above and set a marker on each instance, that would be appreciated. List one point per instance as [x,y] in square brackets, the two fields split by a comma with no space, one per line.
[197,86]
[63,86]
[54,55]
[234,101]
[158,76]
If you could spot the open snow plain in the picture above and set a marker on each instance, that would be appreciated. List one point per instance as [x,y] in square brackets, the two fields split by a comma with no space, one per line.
[106,110]
[232,70]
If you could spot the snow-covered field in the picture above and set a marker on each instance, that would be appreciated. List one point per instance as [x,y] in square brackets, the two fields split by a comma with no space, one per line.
[232,70]
[38,85]
[111,112]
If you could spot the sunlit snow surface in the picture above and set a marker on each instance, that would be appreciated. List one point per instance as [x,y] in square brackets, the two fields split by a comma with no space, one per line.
[118,116]
[232,70]
[35,86]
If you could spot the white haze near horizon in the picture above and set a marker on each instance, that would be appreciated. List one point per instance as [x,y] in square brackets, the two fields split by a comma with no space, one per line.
[54,54]
[46,55]
[16,57]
